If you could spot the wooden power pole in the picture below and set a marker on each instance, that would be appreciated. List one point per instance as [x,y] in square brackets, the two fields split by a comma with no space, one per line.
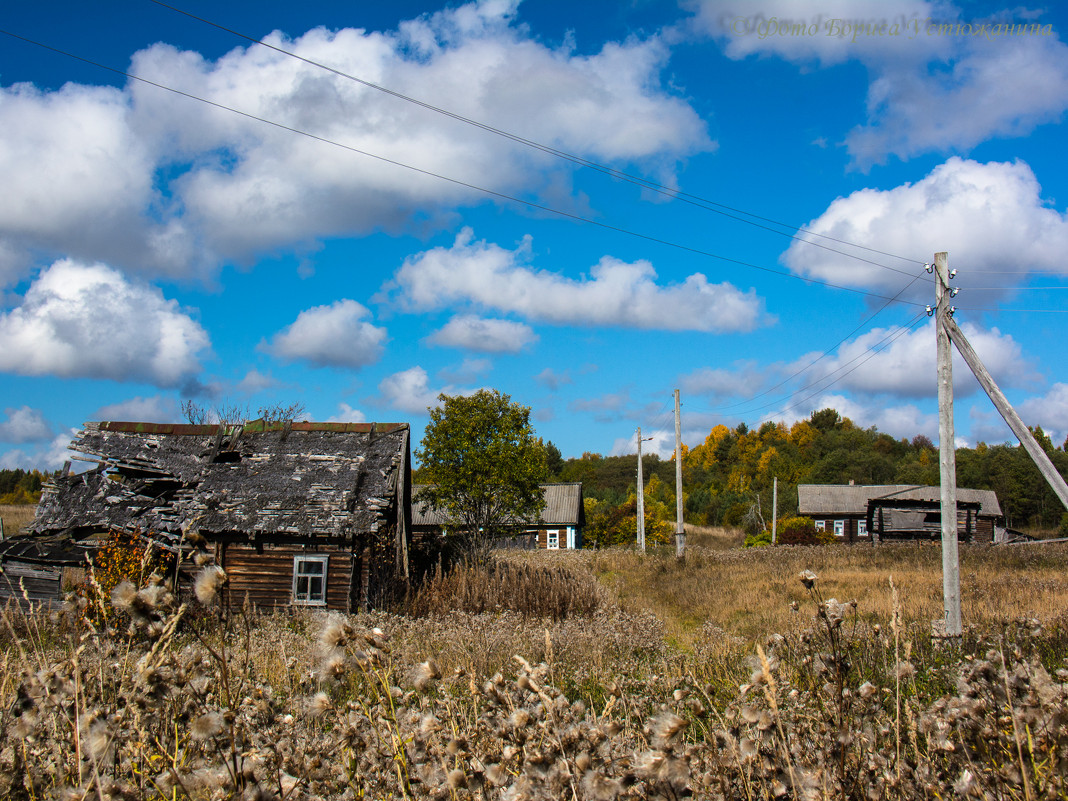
[680,528]
[641,496]
[774,508]
[947,452]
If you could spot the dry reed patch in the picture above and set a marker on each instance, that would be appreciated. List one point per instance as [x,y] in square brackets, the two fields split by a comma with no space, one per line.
[541,588]
[16,516]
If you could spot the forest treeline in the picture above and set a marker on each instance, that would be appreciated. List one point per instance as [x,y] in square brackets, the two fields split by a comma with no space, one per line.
[729,476]
[21,486]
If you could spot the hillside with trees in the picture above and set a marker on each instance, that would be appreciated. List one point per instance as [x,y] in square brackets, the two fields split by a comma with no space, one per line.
[729,476]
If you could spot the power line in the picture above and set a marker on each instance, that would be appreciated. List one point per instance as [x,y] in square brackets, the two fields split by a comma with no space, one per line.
[825,353]
[695,200]
[858,360]
[870,354]
[456,181]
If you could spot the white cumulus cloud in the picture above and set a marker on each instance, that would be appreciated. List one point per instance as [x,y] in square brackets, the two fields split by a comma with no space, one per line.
[330,336]
[902,422]
[895,361]
[941,77]
[988,217]
[50,456]
[347,414]
[1049,411]
[153,409]
[616,293]
[89,321]
[484,335]
[24,425]
[409,391]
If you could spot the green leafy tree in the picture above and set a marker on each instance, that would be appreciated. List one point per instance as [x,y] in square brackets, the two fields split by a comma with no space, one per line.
[484,465]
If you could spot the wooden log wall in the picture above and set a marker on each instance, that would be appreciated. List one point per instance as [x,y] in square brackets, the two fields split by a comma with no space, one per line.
[42,584]
[266,578]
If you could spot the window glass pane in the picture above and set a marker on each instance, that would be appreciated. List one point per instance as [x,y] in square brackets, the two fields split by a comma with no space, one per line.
[309,580]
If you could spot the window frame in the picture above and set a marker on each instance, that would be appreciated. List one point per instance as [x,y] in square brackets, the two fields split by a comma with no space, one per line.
[821,525]
[862,528]
[310,599]
[840,529]
[552,539]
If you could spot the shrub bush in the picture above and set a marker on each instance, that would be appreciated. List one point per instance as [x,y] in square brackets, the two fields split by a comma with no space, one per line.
[802,531]
[758,540]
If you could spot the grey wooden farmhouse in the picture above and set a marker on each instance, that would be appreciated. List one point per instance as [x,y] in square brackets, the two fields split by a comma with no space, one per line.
[306,514]
[559,527]
[870,513]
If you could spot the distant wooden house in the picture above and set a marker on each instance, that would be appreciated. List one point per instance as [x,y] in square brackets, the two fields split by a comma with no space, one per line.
[298,514]
[559,527]
[870,513]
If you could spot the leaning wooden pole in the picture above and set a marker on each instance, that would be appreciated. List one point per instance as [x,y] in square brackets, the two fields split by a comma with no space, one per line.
[1022,432]
[947,452]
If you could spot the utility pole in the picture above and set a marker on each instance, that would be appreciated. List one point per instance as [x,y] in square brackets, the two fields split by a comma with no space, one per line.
[947,453]
[680,529]
[774,507]
[641,496]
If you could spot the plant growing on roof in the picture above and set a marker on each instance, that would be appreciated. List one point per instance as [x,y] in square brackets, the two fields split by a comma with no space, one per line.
[484,464]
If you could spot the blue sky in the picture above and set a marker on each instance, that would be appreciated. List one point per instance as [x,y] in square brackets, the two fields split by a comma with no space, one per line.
[282,231]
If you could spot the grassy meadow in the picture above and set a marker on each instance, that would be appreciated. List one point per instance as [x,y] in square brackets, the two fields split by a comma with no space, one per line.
[591,675]
[15,516]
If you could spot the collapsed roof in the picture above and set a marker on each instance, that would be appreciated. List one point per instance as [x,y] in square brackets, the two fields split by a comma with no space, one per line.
[258,481]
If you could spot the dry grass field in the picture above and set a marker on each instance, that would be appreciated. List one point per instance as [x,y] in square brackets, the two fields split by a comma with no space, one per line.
[594,675]
[15,516]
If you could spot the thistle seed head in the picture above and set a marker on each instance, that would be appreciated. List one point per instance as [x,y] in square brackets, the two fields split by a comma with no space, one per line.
[123,596]
[667,726]
[206,726]
[208,583]
[319,704]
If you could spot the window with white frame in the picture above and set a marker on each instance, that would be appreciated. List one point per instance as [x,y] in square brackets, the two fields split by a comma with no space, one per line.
[839,528]
[309,579]
[821,525]
[552,539]
[862,528]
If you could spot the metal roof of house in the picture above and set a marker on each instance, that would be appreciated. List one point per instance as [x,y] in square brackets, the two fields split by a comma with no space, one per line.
[850,499]
[563,507]
[285,479]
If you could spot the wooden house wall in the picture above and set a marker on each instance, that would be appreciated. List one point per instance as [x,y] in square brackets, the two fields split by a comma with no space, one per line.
[982,526]
[543,537]
[266,578]
[41,584]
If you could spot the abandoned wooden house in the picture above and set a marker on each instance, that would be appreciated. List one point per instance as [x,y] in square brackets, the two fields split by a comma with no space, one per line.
[871,513]
[298,514]
[559,527]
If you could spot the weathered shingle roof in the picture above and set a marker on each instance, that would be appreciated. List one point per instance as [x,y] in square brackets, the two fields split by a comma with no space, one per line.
[563,507]
[831,499]
[292,479]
